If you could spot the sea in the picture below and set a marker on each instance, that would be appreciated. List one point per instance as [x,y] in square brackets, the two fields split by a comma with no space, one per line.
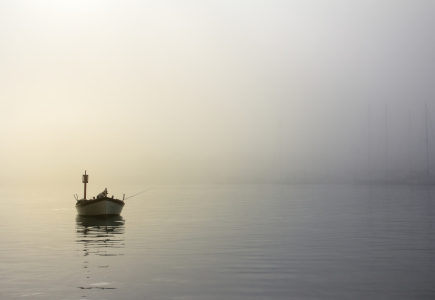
[203,242]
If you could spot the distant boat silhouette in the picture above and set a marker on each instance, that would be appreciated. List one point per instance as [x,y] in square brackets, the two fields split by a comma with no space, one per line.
[413,178]
[424,178]
[100,206]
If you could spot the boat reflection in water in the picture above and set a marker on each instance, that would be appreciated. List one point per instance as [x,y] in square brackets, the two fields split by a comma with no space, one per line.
[99,237]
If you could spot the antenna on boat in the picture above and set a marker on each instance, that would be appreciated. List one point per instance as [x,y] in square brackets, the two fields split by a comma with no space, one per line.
[85,181]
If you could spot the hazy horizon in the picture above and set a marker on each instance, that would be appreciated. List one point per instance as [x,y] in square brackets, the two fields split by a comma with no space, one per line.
[224,92]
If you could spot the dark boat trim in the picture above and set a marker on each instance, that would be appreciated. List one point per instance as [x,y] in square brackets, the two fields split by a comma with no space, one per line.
[83,203]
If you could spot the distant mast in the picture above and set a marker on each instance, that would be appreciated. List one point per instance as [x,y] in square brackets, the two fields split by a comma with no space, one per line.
[409,143]
[85,180]
[386,139]
[427,145]
[369,144]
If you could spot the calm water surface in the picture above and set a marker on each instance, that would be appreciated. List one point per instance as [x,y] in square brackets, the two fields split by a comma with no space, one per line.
[222,242]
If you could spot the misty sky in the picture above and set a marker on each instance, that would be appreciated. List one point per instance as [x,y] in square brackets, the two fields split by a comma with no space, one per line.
[202,91]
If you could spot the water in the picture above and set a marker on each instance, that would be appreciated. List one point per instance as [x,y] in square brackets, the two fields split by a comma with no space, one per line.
[222,242]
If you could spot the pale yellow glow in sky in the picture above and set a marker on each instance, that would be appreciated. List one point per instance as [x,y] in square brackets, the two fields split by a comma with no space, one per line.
[191,91]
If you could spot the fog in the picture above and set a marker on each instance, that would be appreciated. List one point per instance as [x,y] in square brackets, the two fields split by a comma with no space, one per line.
[180,92]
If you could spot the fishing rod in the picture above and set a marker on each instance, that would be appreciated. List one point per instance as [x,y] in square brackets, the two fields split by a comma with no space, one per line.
[135,194]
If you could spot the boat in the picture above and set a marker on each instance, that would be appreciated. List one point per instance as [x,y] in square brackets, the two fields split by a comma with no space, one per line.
[102,205]
[389,177]
[427,177]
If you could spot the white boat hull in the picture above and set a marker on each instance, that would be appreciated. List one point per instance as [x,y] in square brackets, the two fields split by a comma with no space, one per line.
[99,207]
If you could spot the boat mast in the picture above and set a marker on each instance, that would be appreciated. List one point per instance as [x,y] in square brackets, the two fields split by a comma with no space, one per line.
[409,143]
[427,144]
[369,143]
[85,180]
[386,139]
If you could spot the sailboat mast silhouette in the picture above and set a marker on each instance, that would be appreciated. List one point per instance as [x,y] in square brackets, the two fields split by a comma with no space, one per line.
[427,144]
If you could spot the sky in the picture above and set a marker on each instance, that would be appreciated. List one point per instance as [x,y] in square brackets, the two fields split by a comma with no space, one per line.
[176,92]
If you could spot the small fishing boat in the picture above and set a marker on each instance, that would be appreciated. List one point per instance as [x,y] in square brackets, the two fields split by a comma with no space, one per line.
[100,206]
